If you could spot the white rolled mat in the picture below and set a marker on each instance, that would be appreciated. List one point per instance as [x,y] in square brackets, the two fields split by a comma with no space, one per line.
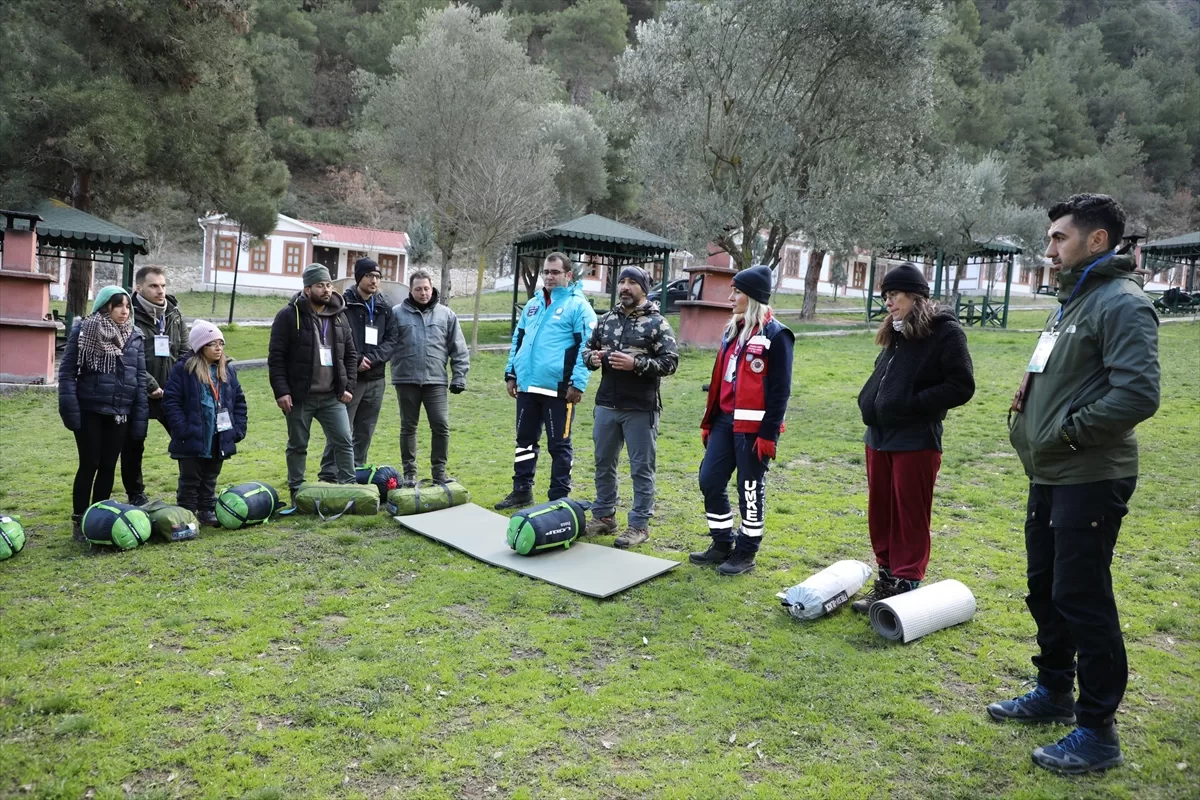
[926,609]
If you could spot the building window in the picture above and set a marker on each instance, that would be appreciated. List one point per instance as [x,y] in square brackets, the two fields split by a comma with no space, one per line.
[351,257]
[226,252]
[791,264]
[387,267]
[260,257]
[293,258]
[860,275]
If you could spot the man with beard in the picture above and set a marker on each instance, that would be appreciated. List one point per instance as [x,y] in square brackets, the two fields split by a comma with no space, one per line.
[313,369]
[635,348]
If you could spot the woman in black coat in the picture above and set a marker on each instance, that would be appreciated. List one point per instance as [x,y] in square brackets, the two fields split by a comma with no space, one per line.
[205,412]
[924,370]
[102,395]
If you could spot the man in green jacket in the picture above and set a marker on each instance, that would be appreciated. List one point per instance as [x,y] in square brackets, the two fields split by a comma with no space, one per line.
[157,316]
[1093,376]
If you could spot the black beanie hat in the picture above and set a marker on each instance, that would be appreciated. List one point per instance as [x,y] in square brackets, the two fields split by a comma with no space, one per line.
[363,266]
[905,278]
[755,283]
[638,275]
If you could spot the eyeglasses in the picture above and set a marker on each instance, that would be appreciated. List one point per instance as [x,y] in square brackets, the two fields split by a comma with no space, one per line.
[553,272]
[374,276]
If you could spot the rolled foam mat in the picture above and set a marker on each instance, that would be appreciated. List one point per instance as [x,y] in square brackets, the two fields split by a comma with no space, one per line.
[926,609]
[589,569]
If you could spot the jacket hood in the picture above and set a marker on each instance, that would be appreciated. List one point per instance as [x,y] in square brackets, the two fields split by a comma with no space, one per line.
[645,309]
[433,301]
[1112,267]
[335,306]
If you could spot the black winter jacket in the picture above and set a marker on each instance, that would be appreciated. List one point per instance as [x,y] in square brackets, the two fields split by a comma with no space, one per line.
[916,380]
[113,394]
[359,315]
[294,344]
[184,413]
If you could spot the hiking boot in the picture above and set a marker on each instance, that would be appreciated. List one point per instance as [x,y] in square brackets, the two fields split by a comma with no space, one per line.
[1082,750]
[716,553]
[207,518]
[515,499]
[599,526]
[408,481]
[1040,705]
[632,536]
[885,586]
[77,528]
[138,499]
[739,561]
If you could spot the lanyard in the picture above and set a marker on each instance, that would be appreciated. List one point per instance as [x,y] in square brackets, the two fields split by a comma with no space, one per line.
[162,323]
[1079,283]
[324,329]
[216,392]
[371,309]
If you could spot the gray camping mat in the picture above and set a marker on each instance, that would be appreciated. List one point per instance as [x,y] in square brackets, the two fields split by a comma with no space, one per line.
[924,610]
[585,568]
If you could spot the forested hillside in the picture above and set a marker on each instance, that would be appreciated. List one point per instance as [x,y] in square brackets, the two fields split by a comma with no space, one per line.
[163,109]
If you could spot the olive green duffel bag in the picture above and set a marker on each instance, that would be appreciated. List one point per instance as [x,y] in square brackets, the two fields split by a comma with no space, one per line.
[426,496]
[332,500]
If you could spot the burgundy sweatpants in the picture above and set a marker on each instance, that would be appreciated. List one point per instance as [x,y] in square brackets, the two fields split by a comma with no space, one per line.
[899,504]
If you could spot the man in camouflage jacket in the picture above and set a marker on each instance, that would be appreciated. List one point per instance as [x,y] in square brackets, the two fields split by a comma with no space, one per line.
[635,348]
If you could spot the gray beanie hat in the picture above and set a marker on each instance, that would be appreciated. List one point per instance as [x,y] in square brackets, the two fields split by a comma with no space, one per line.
[316,273]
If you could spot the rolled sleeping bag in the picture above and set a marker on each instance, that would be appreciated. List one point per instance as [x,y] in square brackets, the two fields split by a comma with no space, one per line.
[12,536]
[426,496]
[172,523]
[384,478]
[247,504]
[332,500]
[115,524]
[827,591]
[548,526]
[926,609]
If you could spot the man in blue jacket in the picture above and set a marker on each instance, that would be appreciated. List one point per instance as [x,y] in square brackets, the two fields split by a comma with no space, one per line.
[547,376]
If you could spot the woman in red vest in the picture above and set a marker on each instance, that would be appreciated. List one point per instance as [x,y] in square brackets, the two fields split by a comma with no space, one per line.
[747,401]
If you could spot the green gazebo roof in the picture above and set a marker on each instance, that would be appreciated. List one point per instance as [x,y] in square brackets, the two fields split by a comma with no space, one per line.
[72,229]
[1185,244]
[601,229]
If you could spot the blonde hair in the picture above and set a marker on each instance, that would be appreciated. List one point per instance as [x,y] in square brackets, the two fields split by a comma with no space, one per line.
[755,317]
[918,322]
[198,366]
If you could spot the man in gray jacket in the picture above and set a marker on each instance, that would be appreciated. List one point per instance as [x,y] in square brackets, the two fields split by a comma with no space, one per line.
[430,336]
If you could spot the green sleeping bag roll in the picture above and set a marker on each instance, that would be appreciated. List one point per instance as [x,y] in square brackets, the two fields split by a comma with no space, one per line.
[426,496]
[111,523]
[332,500]
[247,504]
[12,536]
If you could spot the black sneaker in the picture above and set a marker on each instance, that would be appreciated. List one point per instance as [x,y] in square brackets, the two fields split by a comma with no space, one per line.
[409,481]
[515,499]
[1040,705]
[138,499]
[738,562]
[716,553]
[1082,750]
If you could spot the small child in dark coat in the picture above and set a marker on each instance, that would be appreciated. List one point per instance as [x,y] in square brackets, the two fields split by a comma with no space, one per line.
[205,412]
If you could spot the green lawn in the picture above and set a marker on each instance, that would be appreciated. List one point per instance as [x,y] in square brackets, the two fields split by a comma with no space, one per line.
[354,660]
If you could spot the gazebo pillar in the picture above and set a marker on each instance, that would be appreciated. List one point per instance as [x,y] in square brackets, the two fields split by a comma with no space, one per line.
[26,335]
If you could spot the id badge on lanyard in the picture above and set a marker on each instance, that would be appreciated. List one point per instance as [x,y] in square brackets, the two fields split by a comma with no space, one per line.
[731,364]
[224,421]
[162,345]
[326,356]
[372,334]
[1041,353]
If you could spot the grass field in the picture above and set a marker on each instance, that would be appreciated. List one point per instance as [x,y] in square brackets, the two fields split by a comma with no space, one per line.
[353,660]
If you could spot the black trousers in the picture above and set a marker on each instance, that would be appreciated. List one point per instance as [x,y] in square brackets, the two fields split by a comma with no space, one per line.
[99,441]
[132,454]
[533,412]
[197,488]
[1070,533]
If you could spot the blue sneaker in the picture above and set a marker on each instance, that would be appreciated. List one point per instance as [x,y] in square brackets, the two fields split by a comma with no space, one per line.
[1039,706]
[1082,750]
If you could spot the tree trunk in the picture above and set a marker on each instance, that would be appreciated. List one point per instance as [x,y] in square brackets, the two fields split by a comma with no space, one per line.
[959,268]
[80,280]
[445,241]
[812,276]
[478,298]
[529,277]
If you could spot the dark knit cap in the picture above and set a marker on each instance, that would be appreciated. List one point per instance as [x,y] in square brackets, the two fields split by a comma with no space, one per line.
[363,266]
[905,278]
[637,275]
[756,283]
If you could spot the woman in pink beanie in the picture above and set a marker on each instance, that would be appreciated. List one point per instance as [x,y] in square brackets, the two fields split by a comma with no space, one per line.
[206,414]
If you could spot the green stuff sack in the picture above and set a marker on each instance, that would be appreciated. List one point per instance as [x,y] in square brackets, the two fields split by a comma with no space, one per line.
[246,504]
[12,537]
[172,523]
[115,524]
[332,500]
[426,496]
[546,527]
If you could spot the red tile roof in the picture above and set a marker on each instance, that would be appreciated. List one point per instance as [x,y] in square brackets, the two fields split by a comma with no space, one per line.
[367,238]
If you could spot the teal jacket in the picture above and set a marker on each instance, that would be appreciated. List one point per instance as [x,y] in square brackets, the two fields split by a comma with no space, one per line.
[1100,381]
[546,356]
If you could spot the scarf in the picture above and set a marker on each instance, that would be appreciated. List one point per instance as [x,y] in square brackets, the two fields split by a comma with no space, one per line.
[101,341]
[898,325]
[156,312]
